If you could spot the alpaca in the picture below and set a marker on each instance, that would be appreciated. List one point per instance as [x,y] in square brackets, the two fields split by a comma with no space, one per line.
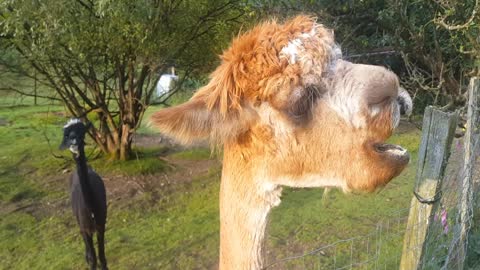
[289,112]
[88,196]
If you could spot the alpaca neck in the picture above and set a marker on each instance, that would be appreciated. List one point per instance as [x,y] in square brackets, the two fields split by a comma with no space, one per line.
[82,171]
[244,207]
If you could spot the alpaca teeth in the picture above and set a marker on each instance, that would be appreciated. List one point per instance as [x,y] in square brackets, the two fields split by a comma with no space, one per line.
[397,151]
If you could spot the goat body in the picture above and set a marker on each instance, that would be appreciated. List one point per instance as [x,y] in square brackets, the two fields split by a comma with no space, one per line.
[89,202]
[89,220]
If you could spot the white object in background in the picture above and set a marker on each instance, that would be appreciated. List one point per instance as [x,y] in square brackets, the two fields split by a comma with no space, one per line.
[166,83]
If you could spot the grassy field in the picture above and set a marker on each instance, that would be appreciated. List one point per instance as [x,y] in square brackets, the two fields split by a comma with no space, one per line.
[163,214]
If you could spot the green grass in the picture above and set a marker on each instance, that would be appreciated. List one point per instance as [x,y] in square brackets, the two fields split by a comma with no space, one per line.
[144,161]
[179,232]
[178,226]
[170,234]
[137,235]
[22,142]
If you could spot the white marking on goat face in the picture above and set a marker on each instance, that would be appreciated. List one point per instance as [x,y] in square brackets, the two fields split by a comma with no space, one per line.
[71,122]
[74,149]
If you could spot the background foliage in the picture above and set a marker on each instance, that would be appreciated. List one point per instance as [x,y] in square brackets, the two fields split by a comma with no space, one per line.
[106,56]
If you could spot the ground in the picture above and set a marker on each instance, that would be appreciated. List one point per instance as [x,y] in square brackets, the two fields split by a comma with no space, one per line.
[163,205]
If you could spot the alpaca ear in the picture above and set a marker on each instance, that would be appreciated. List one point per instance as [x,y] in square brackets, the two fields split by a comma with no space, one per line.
[187,122]
[193,121]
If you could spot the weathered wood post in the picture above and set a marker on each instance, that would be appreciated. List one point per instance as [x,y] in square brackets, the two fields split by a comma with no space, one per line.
[437,134]
[466,202]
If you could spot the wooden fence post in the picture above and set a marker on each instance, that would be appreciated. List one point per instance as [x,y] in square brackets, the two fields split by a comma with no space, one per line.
[466,202]
[437,134]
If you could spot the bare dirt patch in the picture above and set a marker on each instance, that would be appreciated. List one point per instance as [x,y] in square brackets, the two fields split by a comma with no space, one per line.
[120,188]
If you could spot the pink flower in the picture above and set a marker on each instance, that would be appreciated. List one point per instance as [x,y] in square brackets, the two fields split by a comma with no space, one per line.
[444,220]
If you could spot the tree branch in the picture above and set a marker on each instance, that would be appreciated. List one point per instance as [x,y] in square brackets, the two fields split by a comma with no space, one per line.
[28,94]
[450,27]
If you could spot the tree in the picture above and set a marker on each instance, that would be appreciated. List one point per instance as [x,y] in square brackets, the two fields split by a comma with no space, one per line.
[432,54]
[103,57]
[462,20]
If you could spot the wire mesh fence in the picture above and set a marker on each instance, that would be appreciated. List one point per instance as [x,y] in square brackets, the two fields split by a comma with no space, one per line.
[379,249]
[446,243]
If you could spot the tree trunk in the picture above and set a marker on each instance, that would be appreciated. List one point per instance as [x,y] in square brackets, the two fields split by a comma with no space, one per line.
[116,144]
[126,142]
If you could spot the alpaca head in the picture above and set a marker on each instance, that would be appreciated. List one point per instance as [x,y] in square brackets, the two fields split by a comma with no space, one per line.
[73,135]
[283,99]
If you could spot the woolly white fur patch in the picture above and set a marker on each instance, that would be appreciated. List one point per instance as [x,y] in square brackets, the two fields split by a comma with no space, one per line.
[291,51]
[295,47]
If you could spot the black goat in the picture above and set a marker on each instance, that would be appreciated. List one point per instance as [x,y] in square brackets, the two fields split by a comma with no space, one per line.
[89,201]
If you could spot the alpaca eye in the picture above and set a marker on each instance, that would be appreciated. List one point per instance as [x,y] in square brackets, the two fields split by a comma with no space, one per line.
[380,101]
[301,109]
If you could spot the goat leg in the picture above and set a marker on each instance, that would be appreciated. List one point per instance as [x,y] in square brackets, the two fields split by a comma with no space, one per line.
[89,251]
[101,246]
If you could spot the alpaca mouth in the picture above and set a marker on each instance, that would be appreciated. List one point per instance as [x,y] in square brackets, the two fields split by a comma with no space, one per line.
[392,151]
